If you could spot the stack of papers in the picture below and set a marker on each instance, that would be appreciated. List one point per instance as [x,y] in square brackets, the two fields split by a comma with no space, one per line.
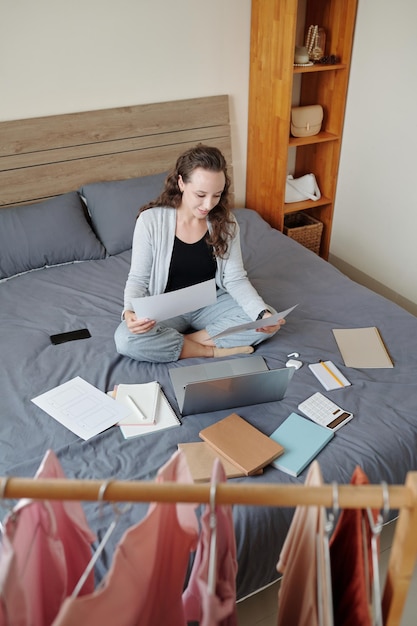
[139,409]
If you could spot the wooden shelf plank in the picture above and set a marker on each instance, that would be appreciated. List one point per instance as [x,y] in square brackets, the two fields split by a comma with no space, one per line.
[319,68]
[292,207]
[306,141]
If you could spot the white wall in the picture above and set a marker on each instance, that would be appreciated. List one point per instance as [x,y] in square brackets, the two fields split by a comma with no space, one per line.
[60,56]
[375,223]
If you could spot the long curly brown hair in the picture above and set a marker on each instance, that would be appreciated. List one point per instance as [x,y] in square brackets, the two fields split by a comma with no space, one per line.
[211,159]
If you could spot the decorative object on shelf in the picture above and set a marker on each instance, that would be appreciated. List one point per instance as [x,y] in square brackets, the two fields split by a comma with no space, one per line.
[306,121]
[301,56]
[311,39]
[304,229]
[300,189]
[315,42]
[330,59]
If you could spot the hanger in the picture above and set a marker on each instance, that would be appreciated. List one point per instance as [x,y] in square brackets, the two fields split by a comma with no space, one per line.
[213,539]
[118,513]
[376,528]
[13,510]
[328,528]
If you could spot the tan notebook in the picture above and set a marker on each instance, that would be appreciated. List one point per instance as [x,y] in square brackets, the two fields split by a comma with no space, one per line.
[362,347]
[241,443]
[200,458]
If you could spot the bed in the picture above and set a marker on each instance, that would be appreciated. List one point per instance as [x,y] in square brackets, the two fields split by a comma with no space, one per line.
[63,266]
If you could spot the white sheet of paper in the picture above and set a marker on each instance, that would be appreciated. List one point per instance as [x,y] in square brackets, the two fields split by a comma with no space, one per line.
[166,305]
[81,407]
[270,321]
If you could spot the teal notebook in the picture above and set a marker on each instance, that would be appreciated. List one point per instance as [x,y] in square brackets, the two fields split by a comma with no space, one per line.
[302,440]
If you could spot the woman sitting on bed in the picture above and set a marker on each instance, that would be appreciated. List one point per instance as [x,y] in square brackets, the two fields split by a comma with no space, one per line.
[187,236]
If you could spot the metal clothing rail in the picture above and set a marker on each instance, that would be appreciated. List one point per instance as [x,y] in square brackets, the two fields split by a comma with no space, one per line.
[403,553]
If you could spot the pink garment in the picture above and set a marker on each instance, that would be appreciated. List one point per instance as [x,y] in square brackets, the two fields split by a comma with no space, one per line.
[73,530]
[51,543]
[145,582]
[351,559]
[13,608]
[297,597]
[200,605]
[40,559]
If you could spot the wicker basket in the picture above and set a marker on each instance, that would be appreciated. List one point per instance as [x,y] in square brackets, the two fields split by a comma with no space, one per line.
[304,229]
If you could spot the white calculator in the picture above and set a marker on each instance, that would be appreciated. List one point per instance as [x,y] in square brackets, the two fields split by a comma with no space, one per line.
[325,412]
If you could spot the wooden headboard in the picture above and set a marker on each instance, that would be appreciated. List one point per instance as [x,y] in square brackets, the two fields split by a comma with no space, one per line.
[47,156]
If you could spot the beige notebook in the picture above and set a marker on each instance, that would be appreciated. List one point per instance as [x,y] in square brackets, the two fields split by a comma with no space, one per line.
[241,443]
[362,347]
[200,458]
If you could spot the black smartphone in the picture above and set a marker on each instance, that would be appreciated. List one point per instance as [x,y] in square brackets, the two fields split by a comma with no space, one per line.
[73,335]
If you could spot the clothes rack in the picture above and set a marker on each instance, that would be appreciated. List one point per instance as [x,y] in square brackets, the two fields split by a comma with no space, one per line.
[403,497]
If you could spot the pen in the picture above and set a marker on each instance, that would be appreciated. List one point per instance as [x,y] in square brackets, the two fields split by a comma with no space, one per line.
[140,413]
[327,368]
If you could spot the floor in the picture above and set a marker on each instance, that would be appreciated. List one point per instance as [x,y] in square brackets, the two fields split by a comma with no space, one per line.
[261,609]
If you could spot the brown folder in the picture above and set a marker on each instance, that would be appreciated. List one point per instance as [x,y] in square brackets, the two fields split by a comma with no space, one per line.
[362,347]
[241,443]
[200,458]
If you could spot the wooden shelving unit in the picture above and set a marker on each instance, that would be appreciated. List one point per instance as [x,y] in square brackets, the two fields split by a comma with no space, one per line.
[277,26]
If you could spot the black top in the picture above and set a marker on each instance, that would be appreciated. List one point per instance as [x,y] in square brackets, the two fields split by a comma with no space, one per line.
[191,263]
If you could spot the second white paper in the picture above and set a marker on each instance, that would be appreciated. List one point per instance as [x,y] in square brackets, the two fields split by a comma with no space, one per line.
[269,321]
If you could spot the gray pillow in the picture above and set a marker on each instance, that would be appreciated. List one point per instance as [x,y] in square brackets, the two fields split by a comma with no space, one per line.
[113,207]
[47,233]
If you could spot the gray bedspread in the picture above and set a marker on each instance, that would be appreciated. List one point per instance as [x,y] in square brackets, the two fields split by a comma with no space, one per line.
[382,437]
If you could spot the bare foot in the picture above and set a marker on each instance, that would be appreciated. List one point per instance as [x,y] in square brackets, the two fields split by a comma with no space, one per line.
[221,352]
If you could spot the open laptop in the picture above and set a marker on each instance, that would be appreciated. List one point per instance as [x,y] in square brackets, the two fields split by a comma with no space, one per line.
[227,384]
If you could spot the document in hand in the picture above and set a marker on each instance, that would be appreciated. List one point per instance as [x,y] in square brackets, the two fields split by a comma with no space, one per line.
[173,303]
[241,443]
[270,321]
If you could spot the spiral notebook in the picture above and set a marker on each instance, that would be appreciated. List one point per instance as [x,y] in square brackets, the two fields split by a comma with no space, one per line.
[329,375]
[150,398]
